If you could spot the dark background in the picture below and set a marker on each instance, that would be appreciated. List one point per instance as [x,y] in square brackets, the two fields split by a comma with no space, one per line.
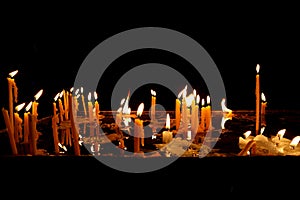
[48,51]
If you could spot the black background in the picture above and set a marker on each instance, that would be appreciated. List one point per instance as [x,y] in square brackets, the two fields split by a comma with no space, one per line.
[47,45]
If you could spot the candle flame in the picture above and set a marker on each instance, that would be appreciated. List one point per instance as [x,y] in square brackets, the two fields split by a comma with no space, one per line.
[62,146]
[56,96]
[184,92]
[37,96]
[189,100]
[126,109]
[223,121]
[140,109]
[257,68]
[197,99]
[61,93]
[19,107]
[95,95]
[281,133]
[262,130]
[168,122]
[12,74]
[28,106]
[77,91]
[208,100]
[263,97]
[202,102]
[119,110]
[122,101]
[195,93]
[81,90]
[247,134]
[153,93]
[90,96]
[71,89]
[295,141]
[224,107]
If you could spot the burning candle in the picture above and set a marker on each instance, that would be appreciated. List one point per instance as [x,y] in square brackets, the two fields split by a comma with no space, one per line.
[177,113]
[66,104]
[26,122]
[12,97]
[184,115]
[90,109]
[34,116]
[208,114]
[61,107]
[18,123]
[75,134]
[83,102]
[195,117]
[153,103]
[75,103]
[55,121]
[263,108]
[35,103]
[138,129]
[167,135]
[278,136]
[202,116]
[295,142]
[97,110]
[10,132]
[258,103]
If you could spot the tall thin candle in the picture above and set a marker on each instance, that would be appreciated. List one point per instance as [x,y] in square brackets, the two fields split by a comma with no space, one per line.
[138,130]
[12,87]
[258,102]
[153,103]
[26,123]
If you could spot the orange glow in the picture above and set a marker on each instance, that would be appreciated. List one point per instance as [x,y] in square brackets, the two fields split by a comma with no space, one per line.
[168,121]
[38,95]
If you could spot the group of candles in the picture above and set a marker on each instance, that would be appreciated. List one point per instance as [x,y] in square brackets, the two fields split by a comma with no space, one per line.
[187,114]
[14,122]
[188,120]
[68,107]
